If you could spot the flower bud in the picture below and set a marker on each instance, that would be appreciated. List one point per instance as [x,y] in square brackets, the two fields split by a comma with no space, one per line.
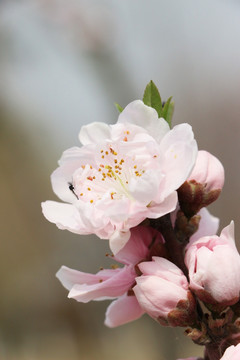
[162,291]
[203,186]
[214,268]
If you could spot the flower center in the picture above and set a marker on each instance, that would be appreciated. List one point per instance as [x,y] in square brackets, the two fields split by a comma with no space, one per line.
[109,175]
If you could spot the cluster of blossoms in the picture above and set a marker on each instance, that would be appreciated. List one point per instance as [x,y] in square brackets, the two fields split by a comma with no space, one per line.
[145,187]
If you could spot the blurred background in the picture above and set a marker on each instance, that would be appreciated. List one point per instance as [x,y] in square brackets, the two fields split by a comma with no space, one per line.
[64,64]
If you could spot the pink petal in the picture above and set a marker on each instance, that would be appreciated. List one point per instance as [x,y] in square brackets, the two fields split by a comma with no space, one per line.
[116,285]
[136,249]
[165,269]
[227,234]
[158,296]
[232,353]
[123,310]
[118,240]
[208,170]
[69,277]
[222,278]
[208,226]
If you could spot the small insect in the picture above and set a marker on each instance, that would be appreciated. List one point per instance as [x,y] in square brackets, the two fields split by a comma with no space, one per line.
[71,187]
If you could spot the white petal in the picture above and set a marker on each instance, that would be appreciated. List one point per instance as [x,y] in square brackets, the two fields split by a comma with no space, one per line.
[179,153]
[71,160]
[94,133]
[157,210]
[144,188]
[118,239]
[65,216]
[145,116]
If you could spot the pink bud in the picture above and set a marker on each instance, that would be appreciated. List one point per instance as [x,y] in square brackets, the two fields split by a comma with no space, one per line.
[203,186]
[214,268]
[232,353]
[209,171]
[162,291]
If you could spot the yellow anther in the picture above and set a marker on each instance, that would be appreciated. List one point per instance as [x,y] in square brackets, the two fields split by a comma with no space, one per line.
[114,266]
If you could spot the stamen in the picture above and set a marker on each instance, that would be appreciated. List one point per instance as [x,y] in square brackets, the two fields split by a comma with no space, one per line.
[114,266]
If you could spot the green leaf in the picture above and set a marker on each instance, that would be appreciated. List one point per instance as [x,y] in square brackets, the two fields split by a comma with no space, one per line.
[152,97]
[167,111]
[118,107]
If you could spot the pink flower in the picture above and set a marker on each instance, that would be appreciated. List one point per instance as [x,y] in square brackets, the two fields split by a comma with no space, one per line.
[214,268]
[162,291]
[232,353]
[203,186]
[121,175]
[114,283]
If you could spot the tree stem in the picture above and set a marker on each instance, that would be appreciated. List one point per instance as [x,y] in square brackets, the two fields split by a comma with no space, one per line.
[174,247]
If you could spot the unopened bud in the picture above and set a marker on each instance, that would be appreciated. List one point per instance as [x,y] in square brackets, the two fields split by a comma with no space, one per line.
[162,291]
[203,186]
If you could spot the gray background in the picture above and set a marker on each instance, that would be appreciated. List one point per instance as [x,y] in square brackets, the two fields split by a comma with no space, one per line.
[64,64]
